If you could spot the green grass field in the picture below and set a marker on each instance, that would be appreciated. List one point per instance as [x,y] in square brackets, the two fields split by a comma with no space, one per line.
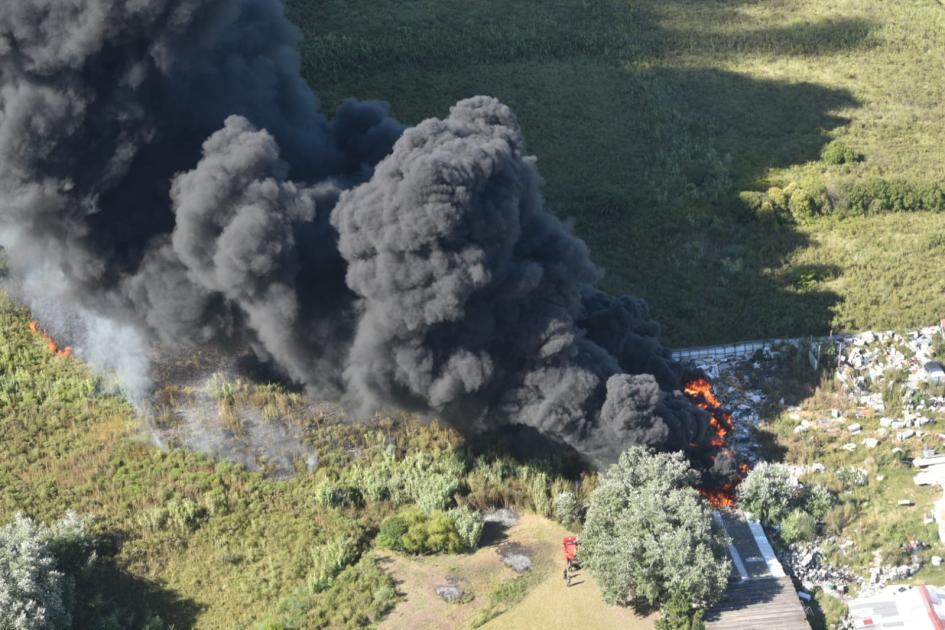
[650,117]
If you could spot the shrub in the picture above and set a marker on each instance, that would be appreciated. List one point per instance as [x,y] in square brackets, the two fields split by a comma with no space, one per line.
[818,501]
[358,597]
[490,483]
[876,195]
[798,526]
[330,493]
[649,534]
[851,476]
[180,515]
[768,492]
[429,479]
[536,482]
[392,532]
[837,153]
[329,560]
[416,532]
[566,508]
[468,524]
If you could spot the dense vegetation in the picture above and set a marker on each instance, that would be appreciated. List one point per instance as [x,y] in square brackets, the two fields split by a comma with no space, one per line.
[670,131]
[181,539]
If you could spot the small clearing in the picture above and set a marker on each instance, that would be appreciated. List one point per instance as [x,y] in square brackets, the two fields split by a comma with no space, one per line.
[548,603]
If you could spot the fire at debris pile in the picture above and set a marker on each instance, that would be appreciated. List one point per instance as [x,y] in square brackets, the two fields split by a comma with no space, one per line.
[166,177]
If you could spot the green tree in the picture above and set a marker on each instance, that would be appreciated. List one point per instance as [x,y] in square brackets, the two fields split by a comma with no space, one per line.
[679,615]
[648,534]
[768,492]
[35,590]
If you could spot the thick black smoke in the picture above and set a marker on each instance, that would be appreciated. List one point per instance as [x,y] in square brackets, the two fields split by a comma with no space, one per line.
[166,176]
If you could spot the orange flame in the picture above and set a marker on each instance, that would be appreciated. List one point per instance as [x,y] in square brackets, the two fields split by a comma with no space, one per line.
[699,391]
[65,353]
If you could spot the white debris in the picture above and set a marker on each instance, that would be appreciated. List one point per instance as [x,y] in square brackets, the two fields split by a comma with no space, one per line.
[905,502]
[871,442]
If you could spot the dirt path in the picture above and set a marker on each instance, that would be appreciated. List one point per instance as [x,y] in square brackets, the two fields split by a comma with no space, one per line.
[550,604]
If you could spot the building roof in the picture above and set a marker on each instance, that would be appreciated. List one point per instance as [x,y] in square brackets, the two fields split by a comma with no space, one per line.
[901,608]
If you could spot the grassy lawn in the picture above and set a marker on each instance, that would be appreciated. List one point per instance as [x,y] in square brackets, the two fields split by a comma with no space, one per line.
[650,117]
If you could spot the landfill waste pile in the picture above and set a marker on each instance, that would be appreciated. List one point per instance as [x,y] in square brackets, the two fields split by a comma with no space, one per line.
[891,393]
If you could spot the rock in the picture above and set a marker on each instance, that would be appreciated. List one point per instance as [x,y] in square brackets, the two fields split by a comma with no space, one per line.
[855,428]
[449,593]
[871,442]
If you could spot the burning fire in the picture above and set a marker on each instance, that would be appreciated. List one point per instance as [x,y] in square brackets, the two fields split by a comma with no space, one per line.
[700,393]
[50,343]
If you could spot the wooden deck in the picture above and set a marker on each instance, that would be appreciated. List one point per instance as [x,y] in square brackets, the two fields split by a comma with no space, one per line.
[759,595]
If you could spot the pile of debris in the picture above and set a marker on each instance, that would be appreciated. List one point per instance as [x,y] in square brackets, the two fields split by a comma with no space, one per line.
[870,364]
[733,383]
[809,566]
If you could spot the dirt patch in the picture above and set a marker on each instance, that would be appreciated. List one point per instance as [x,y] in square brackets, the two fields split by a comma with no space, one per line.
[550,604]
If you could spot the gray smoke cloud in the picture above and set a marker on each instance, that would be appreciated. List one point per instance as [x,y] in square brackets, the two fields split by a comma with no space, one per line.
[473,295]
[165,169]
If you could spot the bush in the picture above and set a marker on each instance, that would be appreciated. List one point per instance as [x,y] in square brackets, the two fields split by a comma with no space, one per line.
[566,508]
[837,153]
[329,560]
[468,524]
[798,526]
[648,534]
[536,482]
[851,476]
[818,501]
[37,571]
[392,532]
[180,515]
[416,532]
[358,597]
[875,196]
[429,479]
[768,492]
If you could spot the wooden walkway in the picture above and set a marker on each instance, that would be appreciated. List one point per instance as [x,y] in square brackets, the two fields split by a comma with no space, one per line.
[759,595]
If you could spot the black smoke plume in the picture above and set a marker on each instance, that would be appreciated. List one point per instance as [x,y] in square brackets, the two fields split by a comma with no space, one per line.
[167,178]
